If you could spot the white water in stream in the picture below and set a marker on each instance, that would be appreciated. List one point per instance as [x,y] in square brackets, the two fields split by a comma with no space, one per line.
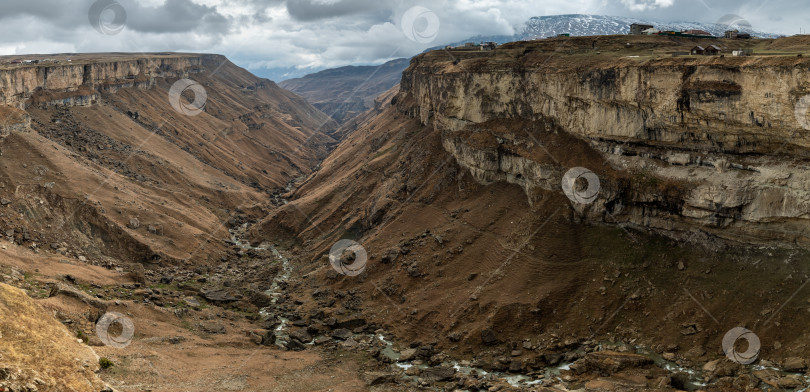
[275,291]
[286,269]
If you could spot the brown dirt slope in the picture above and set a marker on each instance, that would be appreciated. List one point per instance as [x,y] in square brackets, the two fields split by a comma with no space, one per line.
[37,352]
[129,180]
[170,349]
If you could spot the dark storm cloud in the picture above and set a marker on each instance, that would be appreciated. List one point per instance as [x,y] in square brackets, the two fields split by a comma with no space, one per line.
[53,11]
[310,10]
[174,16]
[47,9]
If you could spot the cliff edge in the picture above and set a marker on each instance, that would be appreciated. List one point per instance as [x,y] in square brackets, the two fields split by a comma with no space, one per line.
[714,144]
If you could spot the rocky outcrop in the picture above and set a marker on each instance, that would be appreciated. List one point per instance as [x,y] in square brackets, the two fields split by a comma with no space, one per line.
[500,162]
[709,144]
[13,120]
[77,82]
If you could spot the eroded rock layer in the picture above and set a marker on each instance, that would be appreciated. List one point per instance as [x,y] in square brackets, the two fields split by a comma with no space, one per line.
[712,144]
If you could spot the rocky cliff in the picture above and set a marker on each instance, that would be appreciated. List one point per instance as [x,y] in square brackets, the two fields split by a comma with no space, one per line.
[76,80]
[715,144]
[13,120]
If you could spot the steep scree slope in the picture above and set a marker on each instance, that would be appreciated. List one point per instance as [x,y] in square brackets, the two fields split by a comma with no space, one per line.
[97,164]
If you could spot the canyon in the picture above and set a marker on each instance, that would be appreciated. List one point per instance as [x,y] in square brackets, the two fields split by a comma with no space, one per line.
[699,172]
[346,92]
[494,260]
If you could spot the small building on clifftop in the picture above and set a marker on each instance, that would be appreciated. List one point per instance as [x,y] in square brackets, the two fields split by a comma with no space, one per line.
[638,28]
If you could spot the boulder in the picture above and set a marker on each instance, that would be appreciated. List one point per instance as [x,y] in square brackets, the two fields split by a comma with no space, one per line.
[63,289]
[295,345]
[378,378]
[192,301]
[725,368]
[711,366]
[217,295]
[351,323]
[439,373]
[407,355]
[611,362]
[341,334]
[134,224]
[790,382]
[301,335]
[795,365]
[488,337]
[212,327]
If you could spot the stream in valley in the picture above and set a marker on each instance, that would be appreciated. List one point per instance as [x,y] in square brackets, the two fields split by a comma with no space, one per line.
[550,375]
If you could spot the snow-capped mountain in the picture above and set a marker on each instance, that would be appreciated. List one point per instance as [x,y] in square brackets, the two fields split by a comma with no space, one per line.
[586,25]
[583,25]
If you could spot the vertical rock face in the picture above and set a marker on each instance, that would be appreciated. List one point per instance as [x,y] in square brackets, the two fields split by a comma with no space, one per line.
[723,106]
[726,135]
[78,81]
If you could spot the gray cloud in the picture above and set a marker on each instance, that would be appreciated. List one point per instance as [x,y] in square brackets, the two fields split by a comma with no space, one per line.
[174,16]
[760,13]
[310,10]
[292,37]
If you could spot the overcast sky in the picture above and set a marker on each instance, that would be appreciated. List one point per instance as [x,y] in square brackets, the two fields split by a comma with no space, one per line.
[274,37]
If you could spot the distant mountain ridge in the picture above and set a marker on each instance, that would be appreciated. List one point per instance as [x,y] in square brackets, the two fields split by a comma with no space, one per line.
[587,25]
[345,92]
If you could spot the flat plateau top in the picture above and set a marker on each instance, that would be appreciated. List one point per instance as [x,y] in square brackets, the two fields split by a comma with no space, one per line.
[609,51]
[14,61]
